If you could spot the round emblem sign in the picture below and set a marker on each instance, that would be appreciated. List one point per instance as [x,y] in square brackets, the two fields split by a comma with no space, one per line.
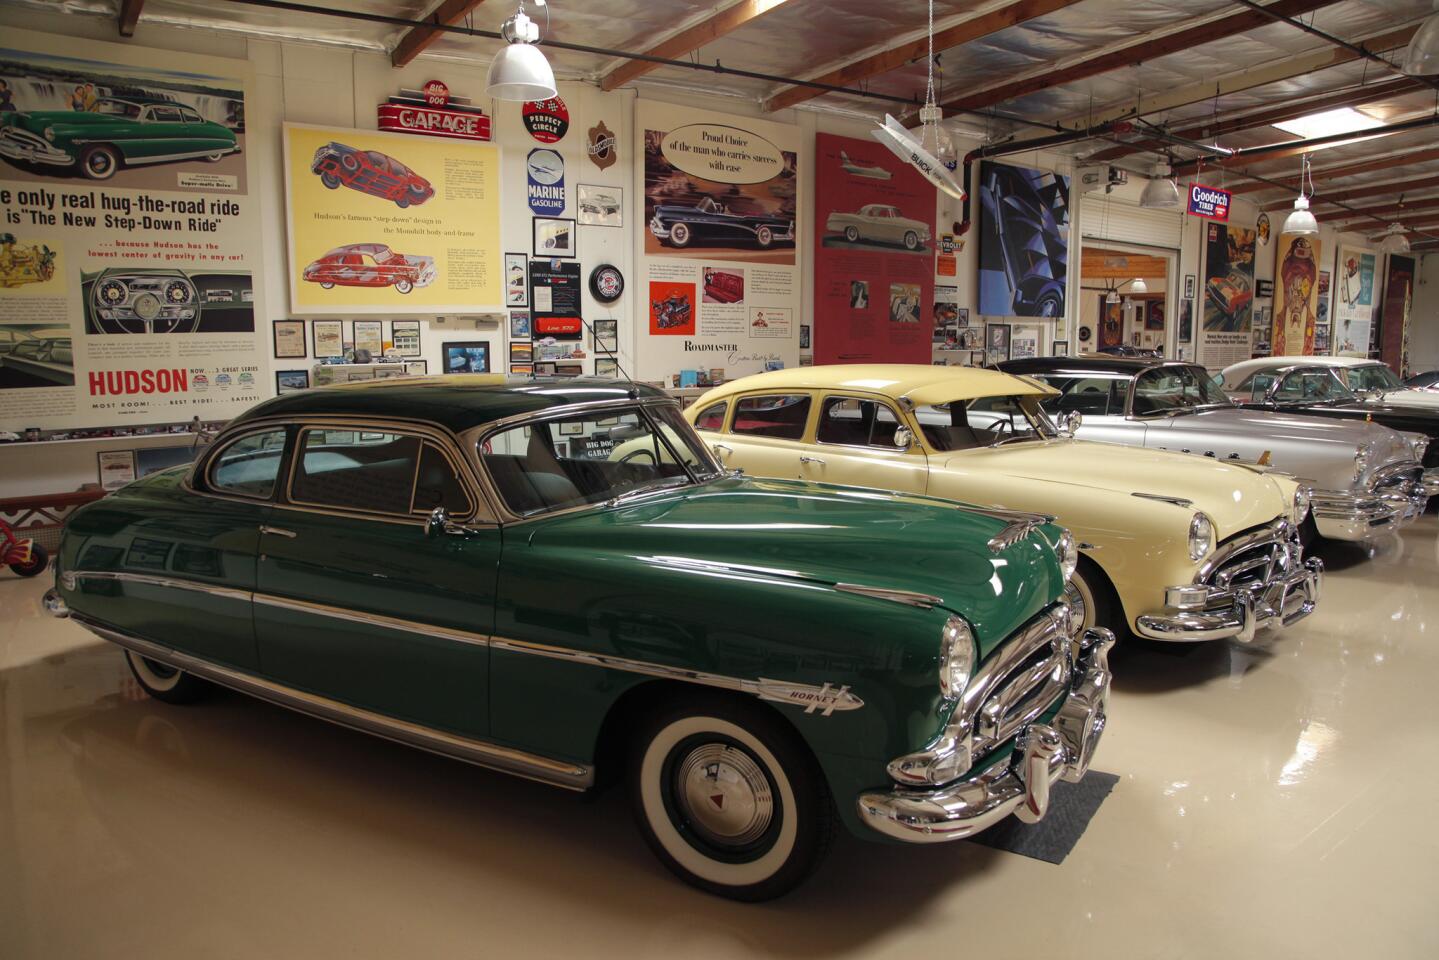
[547,120]
[607,284]
[436,93]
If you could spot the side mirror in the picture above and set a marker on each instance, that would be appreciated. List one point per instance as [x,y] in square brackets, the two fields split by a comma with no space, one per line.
[436,522]
[903,438]
[1069,423]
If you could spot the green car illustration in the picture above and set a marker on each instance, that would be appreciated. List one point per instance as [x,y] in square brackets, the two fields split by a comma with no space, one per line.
[115,131]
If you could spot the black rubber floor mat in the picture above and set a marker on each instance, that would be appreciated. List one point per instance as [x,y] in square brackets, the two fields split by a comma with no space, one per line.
[1071,807]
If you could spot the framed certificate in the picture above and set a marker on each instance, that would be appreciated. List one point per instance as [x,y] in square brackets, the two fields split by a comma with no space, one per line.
[328,337]
[405,336]
[289,339]
[370,336]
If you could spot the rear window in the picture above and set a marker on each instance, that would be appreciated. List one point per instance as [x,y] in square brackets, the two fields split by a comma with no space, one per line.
[782,416]
[851,421]
[375,472]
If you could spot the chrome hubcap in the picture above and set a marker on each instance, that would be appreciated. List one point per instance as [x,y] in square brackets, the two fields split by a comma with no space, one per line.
[724,795]
[1079,609]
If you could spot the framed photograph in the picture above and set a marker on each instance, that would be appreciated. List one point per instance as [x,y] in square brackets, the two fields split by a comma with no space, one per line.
[607,336]
[570,369]
[600,206]
[1024,342]
[116,467]
[328,338]
[370,337]
[963,318]
[1189,286]
[523,369]
[996,342]
[470,356]
[554,237]
[417,368]
[607,367]
[544,369]
[571,428]
[517,280]
[1060,348]
[289,339]
[519,325]
[976,358]
[804,336]
[290,381]
[360,375]
[522,352]
[405,337]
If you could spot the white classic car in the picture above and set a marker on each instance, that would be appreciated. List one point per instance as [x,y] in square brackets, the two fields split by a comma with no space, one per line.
[1371,379]
[879,223]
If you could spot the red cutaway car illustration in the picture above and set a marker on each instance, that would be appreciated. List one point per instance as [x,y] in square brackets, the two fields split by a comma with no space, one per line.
[371,265]
[372,172]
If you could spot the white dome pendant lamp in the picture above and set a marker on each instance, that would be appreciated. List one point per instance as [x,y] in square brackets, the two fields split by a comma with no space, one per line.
[520,71]
[1300,221]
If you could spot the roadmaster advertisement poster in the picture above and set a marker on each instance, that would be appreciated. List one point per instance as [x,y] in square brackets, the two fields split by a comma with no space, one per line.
[874,263]
[719,251]
[389,223]
[129,270]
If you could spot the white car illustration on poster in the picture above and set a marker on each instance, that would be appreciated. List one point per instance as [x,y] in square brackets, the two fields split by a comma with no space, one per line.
[879,223]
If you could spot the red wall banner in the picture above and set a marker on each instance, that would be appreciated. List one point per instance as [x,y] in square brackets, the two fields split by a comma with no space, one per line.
[874,259]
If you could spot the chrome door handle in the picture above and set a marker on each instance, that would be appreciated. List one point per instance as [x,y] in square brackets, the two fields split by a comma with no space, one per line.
[811,460]
[278,532]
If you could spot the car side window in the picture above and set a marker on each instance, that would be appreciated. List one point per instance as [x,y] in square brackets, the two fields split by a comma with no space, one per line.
[437,485]
[249,466]
[371,472]
[1089,396]
[851,421]
[782,416]
[712,416]
[1159,390]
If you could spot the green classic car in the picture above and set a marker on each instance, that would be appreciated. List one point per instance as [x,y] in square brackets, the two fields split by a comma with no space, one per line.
[454,563]
[115,131]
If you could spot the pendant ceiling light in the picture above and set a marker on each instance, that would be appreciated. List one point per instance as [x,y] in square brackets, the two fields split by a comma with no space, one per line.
[1112,296]
[1301,222]
[1421,57]
[1139,286]
[1161,190]
[932,153]
[520,71]
[1394,240]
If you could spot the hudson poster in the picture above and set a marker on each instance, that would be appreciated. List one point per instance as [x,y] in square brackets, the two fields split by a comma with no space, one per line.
[1296,294]
[720,244]
[874,262]
[1228,294]
[1354,301]
[129,271]
[389,223]
[1023,241]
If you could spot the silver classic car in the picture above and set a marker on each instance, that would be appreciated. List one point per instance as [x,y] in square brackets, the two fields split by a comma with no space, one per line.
[1366,478]
[879,222]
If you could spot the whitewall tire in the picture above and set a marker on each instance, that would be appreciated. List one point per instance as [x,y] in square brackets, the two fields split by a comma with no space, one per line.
[730,799]
[164,682]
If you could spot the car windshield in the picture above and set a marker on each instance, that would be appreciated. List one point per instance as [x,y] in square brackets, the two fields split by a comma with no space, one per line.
[1374,376]
[1306,385]
[984,422]
[116,108]
[708,205]
[594,456]
[1166,391]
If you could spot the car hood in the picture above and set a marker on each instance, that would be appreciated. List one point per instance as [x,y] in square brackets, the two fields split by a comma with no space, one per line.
[1427,399]
[809,536]
[1234,496]
[1310,442]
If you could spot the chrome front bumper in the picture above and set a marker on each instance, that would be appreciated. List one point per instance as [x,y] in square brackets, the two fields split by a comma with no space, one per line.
[1043,753]
[14,149]
[1194,613]
[1341,515]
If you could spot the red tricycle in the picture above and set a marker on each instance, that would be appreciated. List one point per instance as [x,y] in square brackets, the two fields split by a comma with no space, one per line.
[21,554]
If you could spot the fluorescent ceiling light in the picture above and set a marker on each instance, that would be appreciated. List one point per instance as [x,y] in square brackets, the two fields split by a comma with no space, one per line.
[1329,123]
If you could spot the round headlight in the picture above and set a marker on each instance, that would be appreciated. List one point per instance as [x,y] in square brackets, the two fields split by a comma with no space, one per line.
[50,134]
[1068,553]
[956,657]
[1201,537]
[1301,504]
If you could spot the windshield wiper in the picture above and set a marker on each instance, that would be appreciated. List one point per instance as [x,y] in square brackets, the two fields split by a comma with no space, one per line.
[654,487]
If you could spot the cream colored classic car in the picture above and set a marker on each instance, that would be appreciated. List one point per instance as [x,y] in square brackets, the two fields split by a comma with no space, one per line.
[1174,547]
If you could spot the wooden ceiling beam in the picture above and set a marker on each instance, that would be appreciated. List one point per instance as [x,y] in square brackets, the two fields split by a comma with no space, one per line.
[1293,110]
[1150,48]
[413,43]
[893,58]
[1394,188]
[1403,159]
[129,16]
[690,39]
[1384,214]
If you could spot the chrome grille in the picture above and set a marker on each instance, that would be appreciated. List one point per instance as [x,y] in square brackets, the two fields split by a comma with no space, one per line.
[1396,477]
[1251,560]
[24,136]
[1020,681]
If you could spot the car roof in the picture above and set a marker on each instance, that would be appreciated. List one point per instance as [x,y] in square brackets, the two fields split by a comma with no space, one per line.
[1098,363]
[454,401]
[923,384]
[1293,360]
[359,248]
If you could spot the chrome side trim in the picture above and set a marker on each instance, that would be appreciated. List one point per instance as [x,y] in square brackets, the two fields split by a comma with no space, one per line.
[922,600]
[1162,498]
[571,776]
[372,619]
[826,699]
[71,577]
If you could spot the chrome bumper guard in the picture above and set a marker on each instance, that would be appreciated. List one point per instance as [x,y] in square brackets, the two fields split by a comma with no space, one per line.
[1288,592]
[1043,753]
[34,153]
[1340,515]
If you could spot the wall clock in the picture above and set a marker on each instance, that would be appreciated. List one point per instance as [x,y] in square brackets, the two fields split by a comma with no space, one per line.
[607,284]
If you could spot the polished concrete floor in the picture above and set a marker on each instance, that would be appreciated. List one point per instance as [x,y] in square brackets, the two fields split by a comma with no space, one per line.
[1274,801]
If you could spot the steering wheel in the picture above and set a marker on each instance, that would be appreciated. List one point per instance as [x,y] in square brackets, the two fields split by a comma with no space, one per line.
[1000,428]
